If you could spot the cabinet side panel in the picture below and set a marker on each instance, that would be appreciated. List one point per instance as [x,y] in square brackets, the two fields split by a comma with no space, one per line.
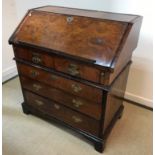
[130,43]
[115,96]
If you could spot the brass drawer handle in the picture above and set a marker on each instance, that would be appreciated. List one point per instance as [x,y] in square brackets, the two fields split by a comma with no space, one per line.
[76,119]
[36,58]
[37,87]
[77,103]
[73,70]
[76,88]
[56,106]
[39,103]
[34,73]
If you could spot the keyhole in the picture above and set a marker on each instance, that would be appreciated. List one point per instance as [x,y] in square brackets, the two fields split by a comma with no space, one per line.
[69,19]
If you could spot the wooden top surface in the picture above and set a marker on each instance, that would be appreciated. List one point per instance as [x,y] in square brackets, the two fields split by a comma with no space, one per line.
[89,13]
[95,37]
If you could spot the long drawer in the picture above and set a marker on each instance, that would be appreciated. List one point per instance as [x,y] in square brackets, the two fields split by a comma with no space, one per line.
[72,101]
[70,86]
[62,113]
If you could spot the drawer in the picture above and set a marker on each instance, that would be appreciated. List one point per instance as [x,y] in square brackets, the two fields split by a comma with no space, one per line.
[34,56]
[70,86]
[77,69]
[69,67]
[89,108]
[62,113]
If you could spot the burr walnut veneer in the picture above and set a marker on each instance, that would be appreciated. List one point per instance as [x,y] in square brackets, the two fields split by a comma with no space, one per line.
[73,66]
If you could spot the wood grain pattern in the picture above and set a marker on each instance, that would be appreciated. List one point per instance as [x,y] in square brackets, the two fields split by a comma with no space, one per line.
[125,52]
[79,104]
[53,31]
[88,13]
[73,66]
[69,86]
[60,112]
[79,70]
[28,54]
[114,97]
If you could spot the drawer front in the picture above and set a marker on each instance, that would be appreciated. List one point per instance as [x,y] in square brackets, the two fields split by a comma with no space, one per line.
[74,102]
[62,113]
[70,86]
[60,64]
[35,56]
[76,69]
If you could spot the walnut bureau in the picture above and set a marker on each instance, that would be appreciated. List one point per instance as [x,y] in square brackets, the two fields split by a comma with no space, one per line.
[73,66]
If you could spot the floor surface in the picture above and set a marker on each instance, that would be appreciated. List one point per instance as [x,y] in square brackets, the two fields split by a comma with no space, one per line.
[29,135]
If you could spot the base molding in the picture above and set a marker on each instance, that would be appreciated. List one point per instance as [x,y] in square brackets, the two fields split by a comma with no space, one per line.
[9,73]
[99,143]
[138,99]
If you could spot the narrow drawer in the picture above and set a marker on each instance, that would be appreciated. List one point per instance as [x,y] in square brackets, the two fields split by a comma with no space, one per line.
[77,69]
[34,56]
[62,113]
[70,86]
[89,108]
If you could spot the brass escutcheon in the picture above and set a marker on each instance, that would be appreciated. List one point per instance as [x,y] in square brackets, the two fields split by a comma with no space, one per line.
[69,19]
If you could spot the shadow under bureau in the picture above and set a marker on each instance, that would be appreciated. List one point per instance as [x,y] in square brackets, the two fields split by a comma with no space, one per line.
[73,66]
